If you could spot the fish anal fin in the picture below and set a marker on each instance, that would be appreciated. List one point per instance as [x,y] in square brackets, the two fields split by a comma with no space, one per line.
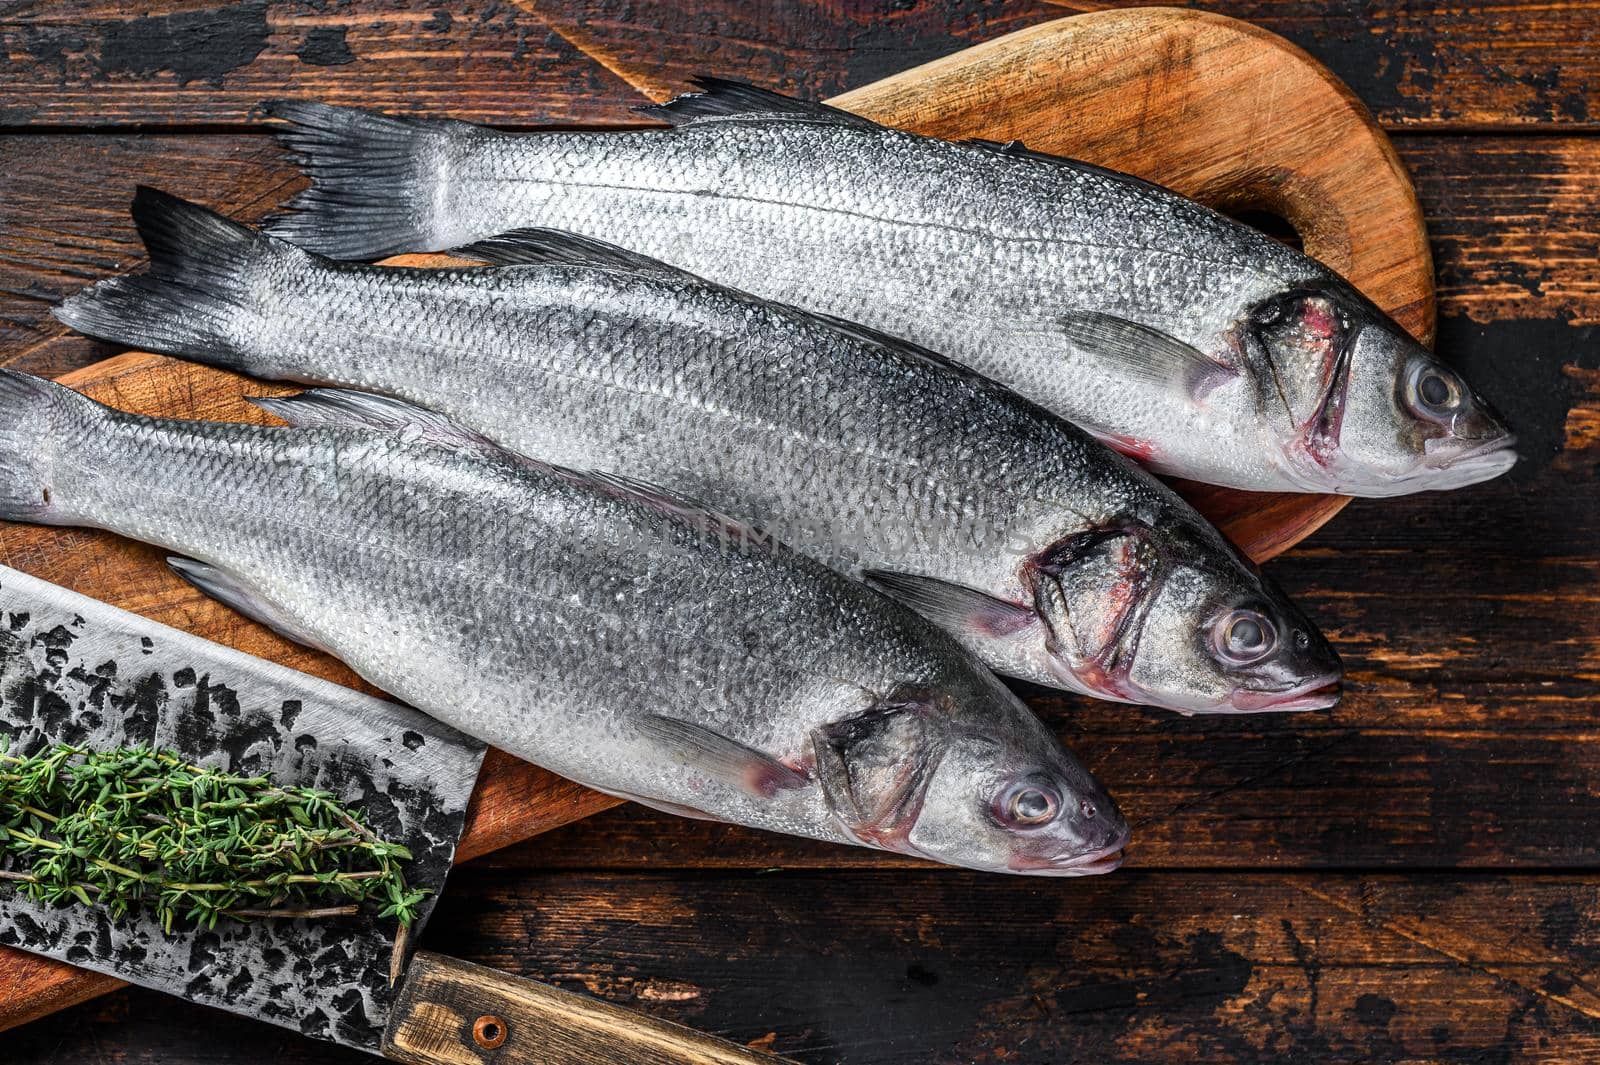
[676,809]
[953,606]
[233,593]
[723,758]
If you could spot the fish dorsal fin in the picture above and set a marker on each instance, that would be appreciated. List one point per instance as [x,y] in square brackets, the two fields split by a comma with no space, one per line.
[326,408]
[1139,351]
[722,98]
[1018,150]
[722,758]
[321,408]
[906,349]
[681,508]
[556,247]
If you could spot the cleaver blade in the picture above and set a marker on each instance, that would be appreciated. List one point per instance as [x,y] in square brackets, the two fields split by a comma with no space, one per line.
[76,670]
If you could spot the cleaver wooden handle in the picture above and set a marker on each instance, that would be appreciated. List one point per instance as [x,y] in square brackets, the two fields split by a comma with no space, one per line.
[451,1012]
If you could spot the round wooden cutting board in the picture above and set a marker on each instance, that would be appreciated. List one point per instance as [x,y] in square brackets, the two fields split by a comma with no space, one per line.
[1215,108]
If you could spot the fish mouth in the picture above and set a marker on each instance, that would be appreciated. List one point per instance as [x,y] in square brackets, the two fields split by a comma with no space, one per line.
[1095,863]
[1455,469]
[1318,693]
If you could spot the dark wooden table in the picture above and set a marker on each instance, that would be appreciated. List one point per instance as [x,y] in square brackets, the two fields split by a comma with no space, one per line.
[1414,876]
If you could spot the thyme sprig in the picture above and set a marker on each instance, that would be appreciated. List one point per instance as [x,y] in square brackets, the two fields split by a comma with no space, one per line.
[139,826]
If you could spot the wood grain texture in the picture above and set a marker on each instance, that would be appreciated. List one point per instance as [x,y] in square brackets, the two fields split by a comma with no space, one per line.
[1199,78]
[928,968]
[1512,221]
[451,1012]
[513,800]
[1522,63]
[1467,620]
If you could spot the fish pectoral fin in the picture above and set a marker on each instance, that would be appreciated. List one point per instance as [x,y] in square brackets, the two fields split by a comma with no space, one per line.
[956,607]
[553,247]
[723,758]
[231,592]
[1139,351]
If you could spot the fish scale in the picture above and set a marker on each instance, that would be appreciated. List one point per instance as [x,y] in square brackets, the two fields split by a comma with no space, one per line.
[608,632]
[986,253]
[862,451]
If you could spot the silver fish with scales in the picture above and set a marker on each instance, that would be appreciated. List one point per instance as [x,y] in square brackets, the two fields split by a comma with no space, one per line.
[602,629]
[1194,343]
[1052,558]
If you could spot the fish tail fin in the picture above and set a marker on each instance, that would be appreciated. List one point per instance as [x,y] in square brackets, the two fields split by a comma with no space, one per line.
[195,300]
[376,179]
[35,417]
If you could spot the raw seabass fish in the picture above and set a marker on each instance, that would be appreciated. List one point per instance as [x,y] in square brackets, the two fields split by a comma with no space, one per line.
[601,629]
[1054,559]
[1197,344]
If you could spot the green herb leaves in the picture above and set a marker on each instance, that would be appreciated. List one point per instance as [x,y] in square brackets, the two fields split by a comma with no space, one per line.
[136,826]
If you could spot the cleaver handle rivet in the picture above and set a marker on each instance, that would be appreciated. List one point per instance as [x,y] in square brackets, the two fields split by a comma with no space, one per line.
[489,1031]
[433,1013]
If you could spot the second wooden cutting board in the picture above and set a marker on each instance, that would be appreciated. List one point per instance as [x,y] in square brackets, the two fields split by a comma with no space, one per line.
[1215,108]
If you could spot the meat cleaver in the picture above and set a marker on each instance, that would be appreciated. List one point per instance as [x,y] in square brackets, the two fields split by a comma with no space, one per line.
[74,669]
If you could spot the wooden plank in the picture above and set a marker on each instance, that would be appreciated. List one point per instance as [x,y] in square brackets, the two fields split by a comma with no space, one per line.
[1458,613]
[1353,205]
[909,969]
[1513,221]
[1520,63]
[448,1012]
[1466,736]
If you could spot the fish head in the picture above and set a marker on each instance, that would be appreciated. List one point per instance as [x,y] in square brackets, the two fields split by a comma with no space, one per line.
[1171,616]
[1357,405]
[967,775]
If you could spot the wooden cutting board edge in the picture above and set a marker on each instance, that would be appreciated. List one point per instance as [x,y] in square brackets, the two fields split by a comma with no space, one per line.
[1060,86]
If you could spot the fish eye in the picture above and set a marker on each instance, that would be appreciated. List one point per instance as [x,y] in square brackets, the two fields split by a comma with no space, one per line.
[1244,636]
[1433,391]
[1028,804]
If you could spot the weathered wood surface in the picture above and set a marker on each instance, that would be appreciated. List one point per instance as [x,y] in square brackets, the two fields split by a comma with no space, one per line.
[1469,621]
[1512,222]
[1232,102]
[1521,63]
[451,1012]
[912,968]
[1211,107]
